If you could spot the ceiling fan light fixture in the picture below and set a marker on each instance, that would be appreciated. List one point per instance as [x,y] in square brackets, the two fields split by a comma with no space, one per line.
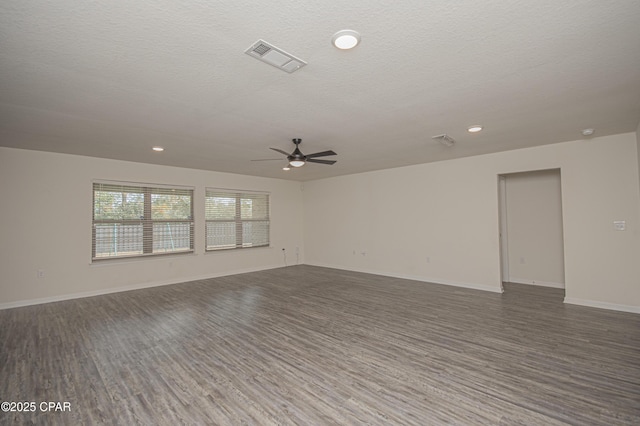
[345,39]
[296,163]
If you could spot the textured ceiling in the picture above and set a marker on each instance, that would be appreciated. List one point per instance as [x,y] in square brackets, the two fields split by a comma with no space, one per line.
[114,78]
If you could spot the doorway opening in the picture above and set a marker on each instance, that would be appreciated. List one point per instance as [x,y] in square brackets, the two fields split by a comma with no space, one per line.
[531,229]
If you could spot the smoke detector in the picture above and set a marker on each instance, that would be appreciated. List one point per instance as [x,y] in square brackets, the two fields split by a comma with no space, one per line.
[444,139]
[268,53]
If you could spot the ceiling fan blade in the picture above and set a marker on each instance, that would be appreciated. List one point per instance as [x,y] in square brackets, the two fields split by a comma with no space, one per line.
[313,160]
[321,154]
[280,151]
[268,159]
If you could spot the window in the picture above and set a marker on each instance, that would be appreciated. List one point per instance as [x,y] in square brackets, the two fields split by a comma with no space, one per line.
[236,219]
[132,220]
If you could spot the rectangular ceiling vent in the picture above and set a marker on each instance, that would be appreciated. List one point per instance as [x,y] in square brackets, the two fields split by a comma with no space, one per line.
[273,56]
[260,48]
[444,139]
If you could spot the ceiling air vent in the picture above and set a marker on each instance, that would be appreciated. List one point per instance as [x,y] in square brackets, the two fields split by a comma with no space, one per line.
[444,139]
[273,56]
[260,49]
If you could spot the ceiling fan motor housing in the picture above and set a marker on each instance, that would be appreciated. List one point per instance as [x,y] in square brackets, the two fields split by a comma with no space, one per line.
[297,154]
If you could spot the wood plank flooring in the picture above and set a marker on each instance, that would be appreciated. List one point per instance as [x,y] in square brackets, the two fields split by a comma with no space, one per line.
[314,346]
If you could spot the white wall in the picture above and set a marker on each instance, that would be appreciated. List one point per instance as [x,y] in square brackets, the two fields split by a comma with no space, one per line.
[439,222]
[534,228]
[638,143]
[435,222]
[46,225]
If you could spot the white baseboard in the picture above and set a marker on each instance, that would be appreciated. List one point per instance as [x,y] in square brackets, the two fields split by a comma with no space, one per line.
[536,282]
[602,305]
[39,301]
[472,286]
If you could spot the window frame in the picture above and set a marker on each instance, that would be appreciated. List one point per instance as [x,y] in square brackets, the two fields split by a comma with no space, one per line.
[238,221]
[146,220]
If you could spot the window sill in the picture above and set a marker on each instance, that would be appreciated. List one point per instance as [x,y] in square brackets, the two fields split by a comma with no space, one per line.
[236,249]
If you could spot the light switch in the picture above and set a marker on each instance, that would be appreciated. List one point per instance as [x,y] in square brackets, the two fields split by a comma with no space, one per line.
[619,225]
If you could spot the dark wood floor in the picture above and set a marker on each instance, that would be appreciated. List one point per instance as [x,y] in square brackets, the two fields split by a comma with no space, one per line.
[313,346]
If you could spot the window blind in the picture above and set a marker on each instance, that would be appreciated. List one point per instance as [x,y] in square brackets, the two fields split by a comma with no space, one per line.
[131,220]
[236,219]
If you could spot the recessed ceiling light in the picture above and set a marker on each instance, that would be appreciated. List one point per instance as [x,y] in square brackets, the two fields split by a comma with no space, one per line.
[346,39]
[286,168]
[587,132]
[474,129]
[158,148]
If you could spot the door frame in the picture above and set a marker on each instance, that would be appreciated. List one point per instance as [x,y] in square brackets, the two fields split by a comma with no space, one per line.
[503,236]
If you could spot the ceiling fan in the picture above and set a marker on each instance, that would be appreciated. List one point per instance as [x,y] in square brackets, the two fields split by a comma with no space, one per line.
[298,159]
